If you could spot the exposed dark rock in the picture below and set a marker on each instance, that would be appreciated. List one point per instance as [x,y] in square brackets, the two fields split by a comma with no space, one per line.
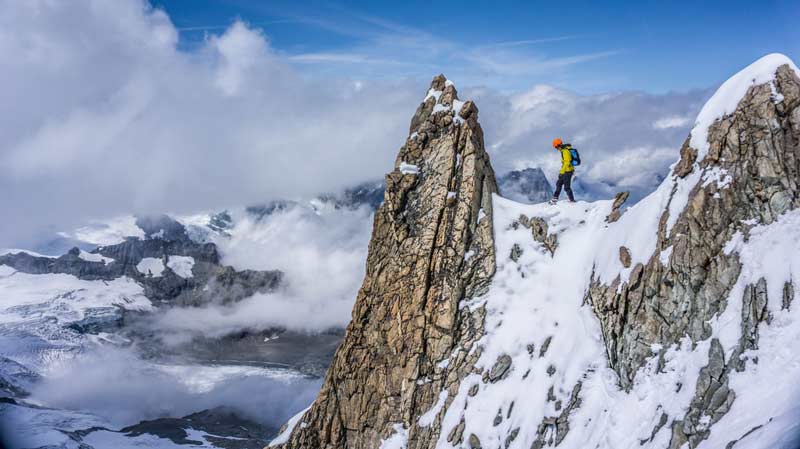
[264,210]
[369,194]
[309,353]
[687,160]
[162,227]
[224,427]
[539,230]
[616,207]
[221,222]
[500,369]
[15,378]
[474,442]
[625,256]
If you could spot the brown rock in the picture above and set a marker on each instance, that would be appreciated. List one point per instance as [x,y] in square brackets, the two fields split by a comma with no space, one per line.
[407,318]
[619,200]
[687,160]
[625,256]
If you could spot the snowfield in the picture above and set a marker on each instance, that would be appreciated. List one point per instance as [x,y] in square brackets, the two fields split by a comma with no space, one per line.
[536,315]
[181,265]
[63,297]
[151,266]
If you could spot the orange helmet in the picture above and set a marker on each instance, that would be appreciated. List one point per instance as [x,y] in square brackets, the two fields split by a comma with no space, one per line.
[557,142]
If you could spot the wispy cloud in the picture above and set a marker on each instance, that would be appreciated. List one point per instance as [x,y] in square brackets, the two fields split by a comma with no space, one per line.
[524,42]
[344,58]
[212,27]
[514,64]
[419,52]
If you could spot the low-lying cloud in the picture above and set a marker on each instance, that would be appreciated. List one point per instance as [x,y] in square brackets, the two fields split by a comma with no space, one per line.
[104,115]
[119,386]
[322,254]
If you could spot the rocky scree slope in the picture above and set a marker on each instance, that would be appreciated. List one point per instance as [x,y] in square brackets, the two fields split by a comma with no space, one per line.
[666,325]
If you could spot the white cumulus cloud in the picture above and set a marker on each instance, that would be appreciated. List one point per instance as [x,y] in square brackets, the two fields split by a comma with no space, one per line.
[104,115]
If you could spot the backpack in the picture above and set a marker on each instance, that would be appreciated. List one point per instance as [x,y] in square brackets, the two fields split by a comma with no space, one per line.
[574,156]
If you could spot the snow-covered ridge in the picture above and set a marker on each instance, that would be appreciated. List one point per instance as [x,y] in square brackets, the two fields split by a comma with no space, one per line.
[727,97]
[637,230]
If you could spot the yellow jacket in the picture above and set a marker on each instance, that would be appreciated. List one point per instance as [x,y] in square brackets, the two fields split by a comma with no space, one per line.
[566,160]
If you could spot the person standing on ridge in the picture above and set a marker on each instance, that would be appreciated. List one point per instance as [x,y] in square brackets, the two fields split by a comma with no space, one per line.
[569,159]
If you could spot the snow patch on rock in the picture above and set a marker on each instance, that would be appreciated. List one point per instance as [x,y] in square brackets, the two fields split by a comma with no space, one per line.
[408,169]
[151,265]
[398,440]
[181,265]
[92,257]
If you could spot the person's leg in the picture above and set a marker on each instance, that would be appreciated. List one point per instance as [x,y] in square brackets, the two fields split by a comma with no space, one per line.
[568,185]
[559,183]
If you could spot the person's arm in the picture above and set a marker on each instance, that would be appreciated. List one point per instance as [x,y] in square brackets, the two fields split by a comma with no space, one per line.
[566,161]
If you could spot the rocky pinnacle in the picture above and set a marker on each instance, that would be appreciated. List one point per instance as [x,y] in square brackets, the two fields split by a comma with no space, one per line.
[432,248]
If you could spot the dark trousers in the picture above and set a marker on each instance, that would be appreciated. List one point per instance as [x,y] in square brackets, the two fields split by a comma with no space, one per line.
[564,179]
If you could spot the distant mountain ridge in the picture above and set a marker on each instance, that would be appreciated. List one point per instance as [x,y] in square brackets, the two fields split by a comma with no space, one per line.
[529,185]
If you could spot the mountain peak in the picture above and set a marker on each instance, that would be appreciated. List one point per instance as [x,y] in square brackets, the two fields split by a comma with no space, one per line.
[432,251]
[764,71]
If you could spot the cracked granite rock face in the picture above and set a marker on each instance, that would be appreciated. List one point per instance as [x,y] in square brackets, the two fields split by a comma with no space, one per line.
[432,248]
[758,147]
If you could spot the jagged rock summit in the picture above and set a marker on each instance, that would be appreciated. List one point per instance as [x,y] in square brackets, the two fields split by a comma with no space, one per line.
[485,323]
[431,250]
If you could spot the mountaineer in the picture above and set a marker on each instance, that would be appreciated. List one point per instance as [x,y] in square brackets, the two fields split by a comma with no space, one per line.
[569,159]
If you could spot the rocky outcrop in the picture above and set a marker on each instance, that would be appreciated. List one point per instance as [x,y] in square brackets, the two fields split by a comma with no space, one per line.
[748,176]
[432,249]
[616,207]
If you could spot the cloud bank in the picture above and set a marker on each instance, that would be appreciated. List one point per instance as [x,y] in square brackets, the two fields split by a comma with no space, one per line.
[105,115]
[127,389]
[322,254]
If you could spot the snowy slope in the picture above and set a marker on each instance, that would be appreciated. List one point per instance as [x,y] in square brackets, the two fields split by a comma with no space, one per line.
[541,331]
[538,300]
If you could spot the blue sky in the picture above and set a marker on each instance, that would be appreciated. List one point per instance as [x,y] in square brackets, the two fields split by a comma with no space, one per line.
[588,47]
